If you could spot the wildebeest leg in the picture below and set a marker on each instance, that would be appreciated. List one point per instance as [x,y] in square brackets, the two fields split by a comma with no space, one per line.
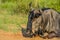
[36,28]
[51,35]
[40,33]
[58,33]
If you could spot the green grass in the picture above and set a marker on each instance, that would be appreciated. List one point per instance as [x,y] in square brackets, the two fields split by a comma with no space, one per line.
[13,12]
[22,6]
[12,22]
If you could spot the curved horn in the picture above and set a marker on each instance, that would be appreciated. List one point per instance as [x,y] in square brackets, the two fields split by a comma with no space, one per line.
[30,6]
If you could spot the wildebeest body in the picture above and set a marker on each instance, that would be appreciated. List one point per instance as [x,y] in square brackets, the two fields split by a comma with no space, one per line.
[43,20]
[50,21]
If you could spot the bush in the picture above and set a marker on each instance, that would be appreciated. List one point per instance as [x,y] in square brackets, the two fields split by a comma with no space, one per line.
[22,6]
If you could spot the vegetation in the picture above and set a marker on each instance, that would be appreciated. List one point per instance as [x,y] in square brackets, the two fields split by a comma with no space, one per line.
[13,13]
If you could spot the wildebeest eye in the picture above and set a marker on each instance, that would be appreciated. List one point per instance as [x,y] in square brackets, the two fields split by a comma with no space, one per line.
[37,15]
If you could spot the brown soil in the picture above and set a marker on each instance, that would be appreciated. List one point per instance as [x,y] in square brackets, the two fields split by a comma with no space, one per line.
[18,36]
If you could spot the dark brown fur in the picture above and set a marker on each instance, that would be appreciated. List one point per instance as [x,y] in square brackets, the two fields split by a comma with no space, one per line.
[48,22]
[28,32]
[43,21]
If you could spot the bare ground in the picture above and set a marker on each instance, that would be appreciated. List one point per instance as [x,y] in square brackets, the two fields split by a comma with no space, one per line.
[18,36]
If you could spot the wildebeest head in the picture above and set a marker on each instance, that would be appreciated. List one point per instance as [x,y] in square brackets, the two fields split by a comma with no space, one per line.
[35,13]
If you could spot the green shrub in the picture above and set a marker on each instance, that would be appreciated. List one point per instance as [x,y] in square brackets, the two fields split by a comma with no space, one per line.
[22,6]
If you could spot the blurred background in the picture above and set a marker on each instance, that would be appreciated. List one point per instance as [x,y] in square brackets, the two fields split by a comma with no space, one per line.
[14,13]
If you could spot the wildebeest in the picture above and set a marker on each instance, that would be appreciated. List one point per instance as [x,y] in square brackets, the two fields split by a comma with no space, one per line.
[48,21]
[41,21]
